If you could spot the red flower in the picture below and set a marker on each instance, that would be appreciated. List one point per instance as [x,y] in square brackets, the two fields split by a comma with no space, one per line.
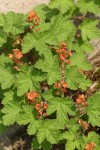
[67,61]
[64,84]
[44,114]
[32,95]
[69,53]
[37,106]
[78,101]
[62,57]
[45,106]
[57,85]
[17,53]
[90,146]
[31,16]
[61,50]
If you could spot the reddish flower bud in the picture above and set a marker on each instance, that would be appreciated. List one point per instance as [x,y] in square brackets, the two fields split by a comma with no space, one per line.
[38,116]
[67,61]
[69,53]
[57,85]
[85,125]
[32,95]
[17,53]
[63,90]
[78,101]
[84,103]
[37,106]
[62,57]
[57,93]
[44,114]
[45,106]
[40,112]
[31,15]
[10,56]
[63,45]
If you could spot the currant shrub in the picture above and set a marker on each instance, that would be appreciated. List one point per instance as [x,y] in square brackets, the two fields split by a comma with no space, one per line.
[43,80]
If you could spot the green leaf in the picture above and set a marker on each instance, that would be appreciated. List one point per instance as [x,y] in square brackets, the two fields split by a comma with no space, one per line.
[61,28]
[63,5]
[43,49]
[41,11]
[5,59]
[1,20]
[3,37]
[72,144]
[44,26]
[33,127]
[93,109]
[52,36]
[2,127]
[6,78]
[35,144]
[72,125]
[11,113]
[79,59]
[8,96]
[89,30]
[28,42]
[85,83]
[47,95]
[51,66]
[1,93]
[81,46]
[88,6]
[73,141]
[46,145]
[86,47]
[13,23]
[75,79]
[62,106]
[38,41]
[28,80]
[49,132]
[27,117]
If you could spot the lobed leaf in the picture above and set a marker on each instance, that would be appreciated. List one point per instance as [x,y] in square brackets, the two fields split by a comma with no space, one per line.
[89,30]
[93,109]
[63,5]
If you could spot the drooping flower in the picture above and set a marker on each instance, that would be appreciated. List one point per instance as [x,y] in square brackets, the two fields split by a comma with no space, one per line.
[31,15]
[17,53]
[90,146]
[32,95]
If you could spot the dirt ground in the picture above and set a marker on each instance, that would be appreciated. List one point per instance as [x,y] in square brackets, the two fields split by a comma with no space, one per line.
[22,6]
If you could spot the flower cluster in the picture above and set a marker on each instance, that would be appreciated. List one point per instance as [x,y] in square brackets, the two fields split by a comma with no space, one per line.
[16,56]
[31,96]
[81,103]
[61,85]
[90,146]
[84,124]
[64,53]
[41,108]
[32,17]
